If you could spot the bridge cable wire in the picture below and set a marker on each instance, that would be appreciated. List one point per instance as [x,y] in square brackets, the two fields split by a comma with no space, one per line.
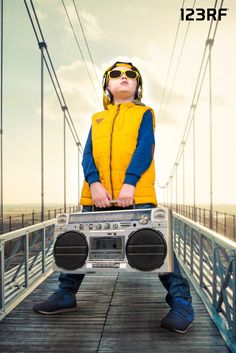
[169,67]
[162,117]
[64,107]
[194,103]
[52,73]
[80,50]
[1,122]
[85,39]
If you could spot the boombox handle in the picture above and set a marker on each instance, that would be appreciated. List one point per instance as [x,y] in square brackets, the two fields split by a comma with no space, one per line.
[114,201]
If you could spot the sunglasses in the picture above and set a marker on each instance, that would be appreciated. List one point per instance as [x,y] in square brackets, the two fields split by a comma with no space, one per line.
[118,73]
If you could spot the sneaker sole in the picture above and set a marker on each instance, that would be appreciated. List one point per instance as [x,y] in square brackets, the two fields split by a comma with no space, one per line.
[57,311]
[175,330]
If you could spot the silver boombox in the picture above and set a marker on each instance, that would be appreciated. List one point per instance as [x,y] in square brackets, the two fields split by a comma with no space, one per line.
[130,240]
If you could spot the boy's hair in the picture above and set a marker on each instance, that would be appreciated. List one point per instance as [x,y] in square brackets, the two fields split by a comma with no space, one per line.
[107,95]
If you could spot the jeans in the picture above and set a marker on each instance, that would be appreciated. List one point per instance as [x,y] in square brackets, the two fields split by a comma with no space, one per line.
[174,282]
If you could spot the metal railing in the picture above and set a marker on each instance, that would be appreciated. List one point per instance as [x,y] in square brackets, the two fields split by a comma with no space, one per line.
[27,264]
[10,223]
[209,260]
[221,222]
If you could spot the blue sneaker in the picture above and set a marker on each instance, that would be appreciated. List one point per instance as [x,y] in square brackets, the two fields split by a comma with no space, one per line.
[60,302]
[180,316]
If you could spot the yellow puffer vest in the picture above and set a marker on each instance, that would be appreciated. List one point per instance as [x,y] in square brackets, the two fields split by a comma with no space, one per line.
[114,139]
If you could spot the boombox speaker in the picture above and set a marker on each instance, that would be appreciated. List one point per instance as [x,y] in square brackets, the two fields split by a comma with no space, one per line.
[137,240]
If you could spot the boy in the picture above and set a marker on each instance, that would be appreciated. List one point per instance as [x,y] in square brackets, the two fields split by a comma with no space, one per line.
[118,165]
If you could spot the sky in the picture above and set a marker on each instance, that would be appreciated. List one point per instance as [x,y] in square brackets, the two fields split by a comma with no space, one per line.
[136,31]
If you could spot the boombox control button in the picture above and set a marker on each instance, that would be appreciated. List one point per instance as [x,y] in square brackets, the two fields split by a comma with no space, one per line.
[106,225]
[115,225]
[90,226]
[98,226]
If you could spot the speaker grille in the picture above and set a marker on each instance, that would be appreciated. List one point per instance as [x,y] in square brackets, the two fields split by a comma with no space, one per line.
[70,250]
[146,249]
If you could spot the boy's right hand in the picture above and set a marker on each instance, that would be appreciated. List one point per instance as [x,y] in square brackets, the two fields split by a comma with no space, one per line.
[101,198]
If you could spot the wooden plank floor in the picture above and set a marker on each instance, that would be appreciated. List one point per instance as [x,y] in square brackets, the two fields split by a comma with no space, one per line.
[116,314]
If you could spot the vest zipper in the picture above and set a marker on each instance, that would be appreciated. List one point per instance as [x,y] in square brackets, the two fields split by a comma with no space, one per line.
[117,112]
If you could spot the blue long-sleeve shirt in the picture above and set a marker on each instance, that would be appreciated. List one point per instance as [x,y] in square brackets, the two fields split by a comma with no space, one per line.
[140,161]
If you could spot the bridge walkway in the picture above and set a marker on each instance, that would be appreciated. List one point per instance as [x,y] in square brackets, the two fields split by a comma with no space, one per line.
[116,314]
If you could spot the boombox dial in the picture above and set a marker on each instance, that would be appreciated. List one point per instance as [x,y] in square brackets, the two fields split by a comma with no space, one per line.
[70,250]
[146,249]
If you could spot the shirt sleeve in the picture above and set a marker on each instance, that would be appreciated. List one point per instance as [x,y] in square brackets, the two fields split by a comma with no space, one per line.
[143,154]
[91,173]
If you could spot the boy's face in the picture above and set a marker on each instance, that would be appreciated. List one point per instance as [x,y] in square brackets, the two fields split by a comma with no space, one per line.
[122,87]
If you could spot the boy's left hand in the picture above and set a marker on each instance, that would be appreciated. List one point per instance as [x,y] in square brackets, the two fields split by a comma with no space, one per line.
[126,195]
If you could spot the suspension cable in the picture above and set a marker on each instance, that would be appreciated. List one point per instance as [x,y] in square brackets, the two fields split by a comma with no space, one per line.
[80,50]
[52,73]
[176,70]
[169,67]
[85,39]
[197,91]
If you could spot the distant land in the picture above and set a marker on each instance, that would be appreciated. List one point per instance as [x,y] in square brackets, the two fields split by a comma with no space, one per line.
[24,208]
[228,208]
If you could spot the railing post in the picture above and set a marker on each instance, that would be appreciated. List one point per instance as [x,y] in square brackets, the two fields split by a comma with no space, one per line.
[22,221]
[191,250]
[225,225]
[43,250]
[33,217]
[26,248]
[184,257]
[214,279]
[2,278]
[179,235]
[175,231]
[201,261]
[9,223]
[216,221]
[234,230]
[2,226]
[234,298]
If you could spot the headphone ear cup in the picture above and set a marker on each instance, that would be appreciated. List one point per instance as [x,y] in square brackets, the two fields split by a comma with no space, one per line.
[139,92]
[108,94]
[104,81]
[107,97]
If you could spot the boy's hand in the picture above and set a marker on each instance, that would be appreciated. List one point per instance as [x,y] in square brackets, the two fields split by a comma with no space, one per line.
[100,196]
[126,195]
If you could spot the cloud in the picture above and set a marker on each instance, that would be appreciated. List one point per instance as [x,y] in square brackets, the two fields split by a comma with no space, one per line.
[91,27]
[79,95]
